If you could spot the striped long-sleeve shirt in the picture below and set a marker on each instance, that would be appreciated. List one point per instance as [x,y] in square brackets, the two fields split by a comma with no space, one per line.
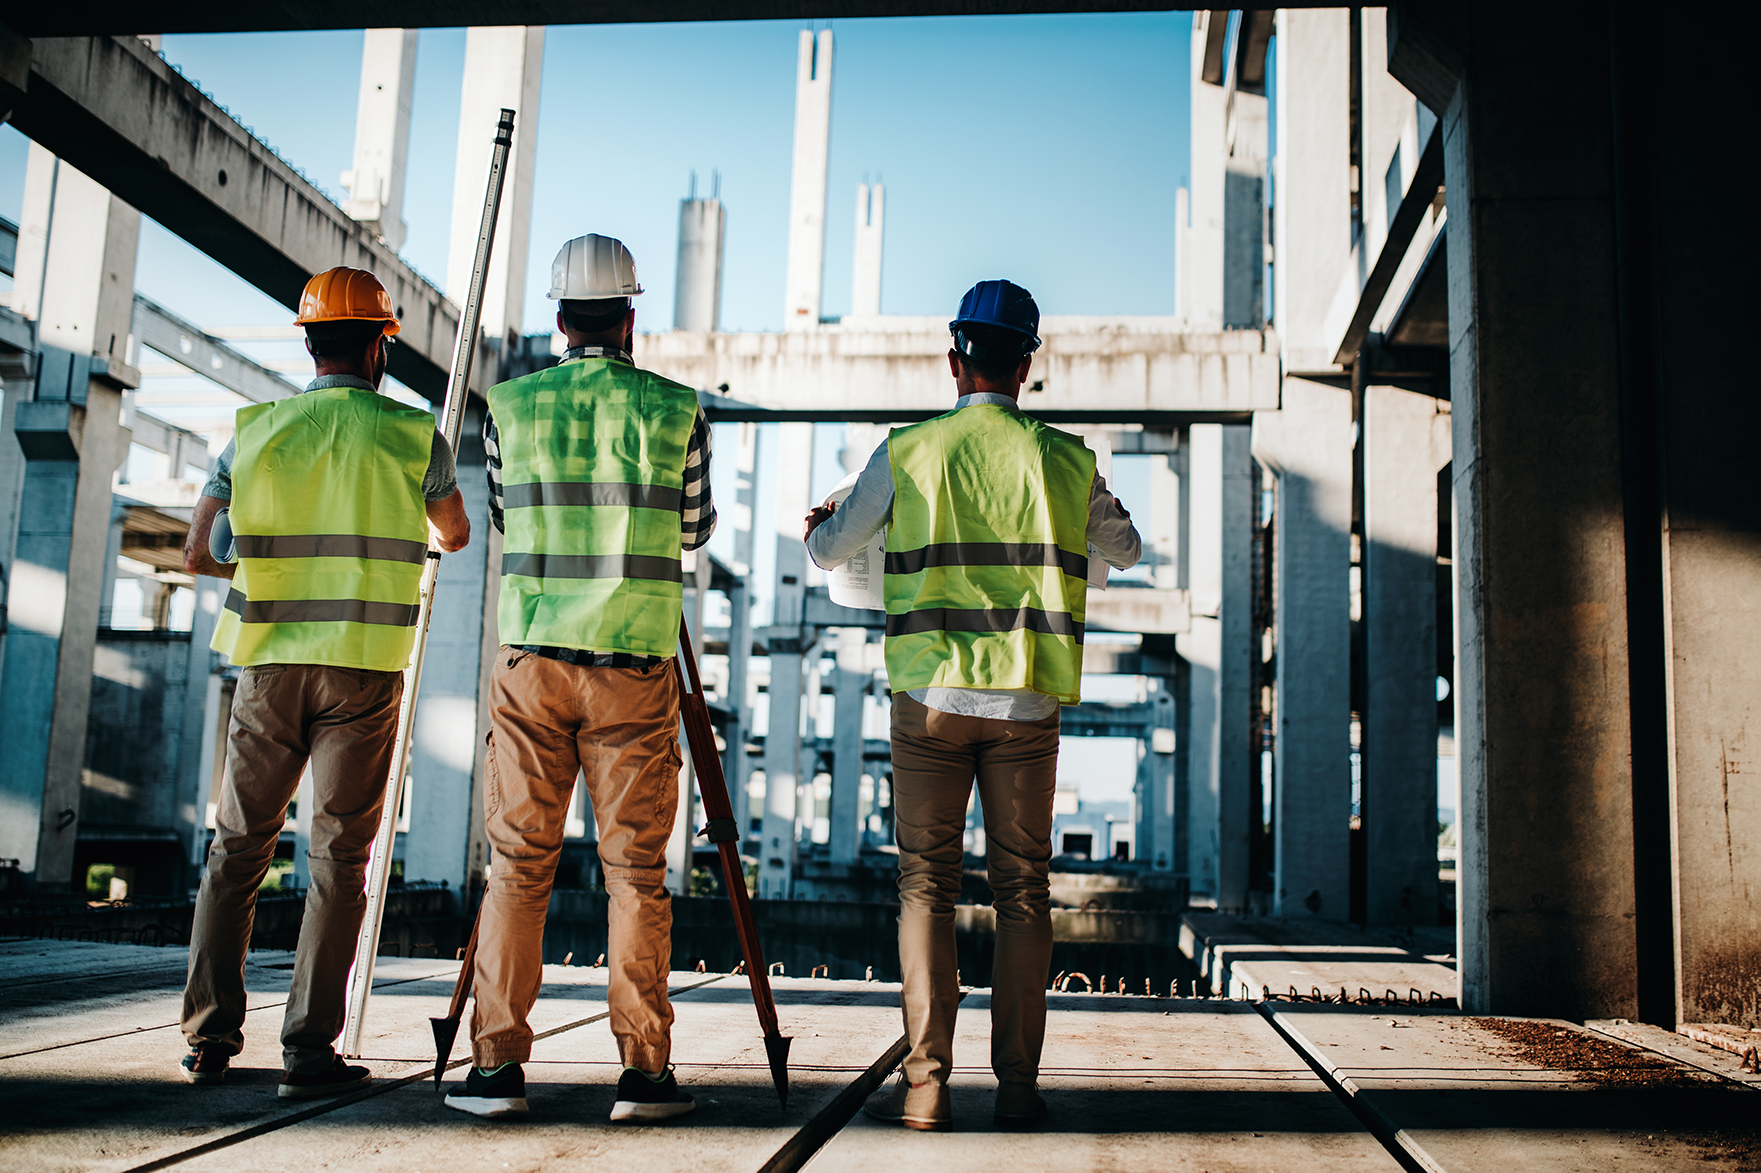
[696,509]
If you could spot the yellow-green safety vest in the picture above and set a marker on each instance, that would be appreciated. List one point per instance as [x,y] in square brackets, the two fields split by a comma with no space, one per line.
[987,554]
[331,529]
[593,478]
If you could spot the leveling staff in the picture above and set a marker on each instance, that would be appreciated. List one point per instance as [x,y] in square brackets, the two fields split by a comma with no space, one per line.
[599,477]
[332,494]
[990,516]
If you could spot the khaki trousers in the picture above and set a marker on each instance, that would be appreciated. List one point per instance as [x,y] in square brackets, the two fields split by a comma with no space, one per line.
[618,728]
[936,755]
[343,720]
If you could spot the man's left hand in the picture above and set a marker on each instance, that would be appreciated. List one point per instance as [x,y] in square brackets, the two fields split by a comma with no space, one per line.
[815,518]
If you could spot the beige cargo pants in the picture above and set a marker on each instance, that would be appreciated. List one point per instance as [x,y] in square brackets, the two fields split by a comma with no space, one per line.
[619,729]
[936,756]
[344,721]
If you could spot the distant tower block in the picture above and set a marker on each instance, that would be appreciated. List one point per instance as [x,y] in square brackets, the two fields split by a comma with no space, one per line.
[382,133]
[813,128]
[865,288]
[503,68]
[697,291]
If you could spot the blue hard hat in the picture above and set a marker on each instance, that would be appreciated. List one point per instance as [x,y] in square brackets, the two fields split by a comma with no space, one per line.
[1001,305]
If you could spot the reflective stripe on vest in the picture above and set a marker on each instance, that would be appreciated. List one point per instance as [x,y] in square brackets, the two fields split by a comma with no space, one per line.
[987,565]
[593,476]
[331,529]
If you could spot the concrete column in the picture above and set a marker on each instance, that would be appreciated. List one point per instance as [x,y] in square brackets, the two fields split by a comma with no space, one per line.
[1406,444]
[1543,720]
[686,822]
[503,69]
[1182,254]
[1219,521]
[813,128]
[1312,212]
[1203,270]
[787,641]
[697,291]
[189,814]
[865,291]
[77,281]
[1244,211]
[852,687]
[447,733]
[1307,446]
[382,133]
[739,768]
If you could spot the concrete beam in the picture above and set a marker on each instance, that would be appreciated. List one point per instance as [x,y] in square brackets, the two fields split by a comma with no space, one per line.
[217,16]
[1128,369]
[117,111]
[185,343]
[382,133]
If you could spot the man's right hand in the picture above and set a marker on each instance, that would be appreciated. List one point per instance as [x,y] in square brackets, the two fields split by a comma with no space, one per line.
[816,517]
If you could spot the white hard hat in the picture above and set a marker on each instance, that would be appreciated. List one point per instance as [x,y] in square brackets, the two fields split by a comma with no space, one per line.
[592,267]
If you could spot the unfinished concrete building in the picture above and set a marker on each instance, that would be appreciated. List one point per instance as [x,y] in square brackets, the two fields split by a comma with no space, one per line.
[1413,496]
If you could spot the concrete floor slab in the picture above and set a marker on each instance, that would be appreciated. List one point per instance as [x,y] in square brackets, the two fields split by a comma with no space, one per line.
[1133,1084]
[1460,1099]
[839,1028]
[1249,957]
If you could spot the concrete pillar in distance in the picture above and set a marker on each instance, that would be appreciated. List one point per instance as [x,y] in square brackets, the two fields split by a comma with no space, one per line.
[697,290]
[503,69]
[807,182]
[787,641]
[77,282]
[1307,446]
[851,690]
[865,282]
[382,133]
[739,767]
[1406,444]
[1219,520]
[447,734]
[1202,270]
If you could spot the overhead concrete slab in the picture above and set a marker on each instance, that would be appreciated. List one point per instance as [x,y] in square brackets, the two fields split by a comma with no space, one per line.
[1459,1097]
[1132,1084]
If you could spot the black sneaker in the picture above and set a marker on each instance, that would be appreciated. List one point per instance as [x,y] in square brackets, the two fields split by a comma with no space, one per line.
[204,1064]
[339,1077]
[643,1097]
[498,1094]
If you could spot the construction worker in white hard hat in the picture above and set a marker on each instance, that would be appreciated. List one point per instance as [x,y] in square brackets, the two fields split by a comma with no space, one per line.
[599,478]
[989,516]
[320,511]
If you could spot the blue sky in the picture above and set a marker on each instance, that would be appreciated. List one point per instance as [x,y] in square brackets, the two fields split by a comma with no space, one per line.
[1044,148]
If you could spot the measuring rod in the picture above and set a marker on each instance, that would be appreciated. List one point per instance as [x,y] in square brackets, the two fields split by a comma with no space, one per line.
[452,420]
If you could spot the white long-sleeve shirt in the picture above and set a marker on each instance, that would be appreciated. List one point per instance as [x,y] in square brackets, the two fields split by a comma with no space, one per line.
[870,506]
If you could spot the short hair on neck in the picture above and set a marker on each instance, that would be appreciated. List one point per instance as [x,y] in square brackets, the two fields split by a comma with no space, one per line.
[594,316]
[347,340]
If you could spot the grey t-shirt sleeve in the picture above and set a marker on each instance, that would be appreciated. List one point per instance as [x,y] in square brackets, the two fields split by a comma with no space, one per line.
[219,484]
[438,483]
[442,479]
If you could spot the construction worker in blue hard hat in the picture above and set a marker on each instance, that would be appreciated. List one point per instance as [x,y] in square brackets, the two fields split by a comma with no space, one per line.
[990,515]
[319,511]
[599,477]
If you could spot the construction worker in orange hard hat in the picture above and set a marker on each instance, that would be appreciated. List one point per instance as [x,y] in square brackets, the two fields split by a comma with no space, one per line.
[320,511]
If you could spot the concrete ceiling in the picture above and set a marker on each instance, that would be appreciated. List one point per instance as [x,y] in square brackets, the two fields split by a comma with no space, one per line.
[113,17]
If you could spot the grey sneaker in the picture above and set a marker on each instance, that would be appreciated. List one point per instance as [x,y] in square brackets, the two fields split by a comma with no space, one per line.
[925,1106]
[1019,1105]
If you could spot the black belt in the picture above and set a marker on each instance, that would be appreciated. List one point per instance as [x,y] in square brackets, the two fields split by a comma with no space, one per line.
[586,659]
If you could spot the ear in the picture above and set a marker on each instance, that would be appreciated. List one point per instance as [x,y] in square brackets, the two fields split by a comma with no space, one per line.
[1021,371]
[953,362]
[309,349]
[560,328]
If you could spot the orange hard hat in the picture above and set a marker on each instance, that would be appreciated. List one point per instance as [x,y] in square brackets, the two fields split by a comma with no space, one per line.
[346,295]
